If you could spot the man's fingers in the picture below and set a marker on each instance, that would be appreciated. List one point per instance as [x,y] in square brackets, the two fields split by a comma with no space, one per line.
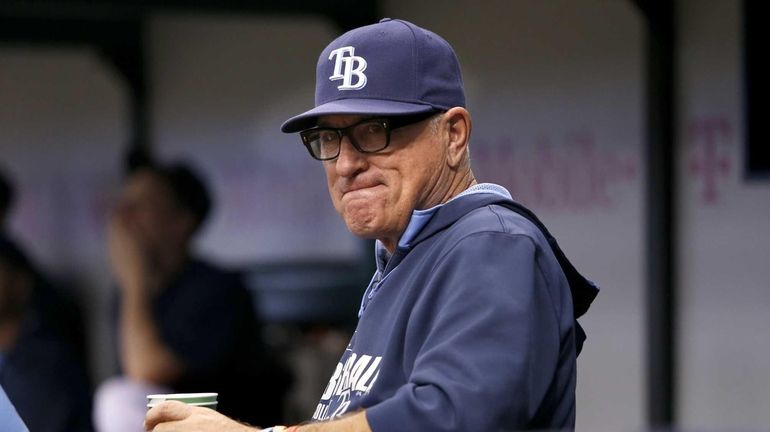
[166,412]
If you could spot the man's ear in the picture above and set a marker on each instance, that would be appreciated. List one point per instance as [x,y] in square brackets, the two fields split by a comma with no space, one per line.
[458,124]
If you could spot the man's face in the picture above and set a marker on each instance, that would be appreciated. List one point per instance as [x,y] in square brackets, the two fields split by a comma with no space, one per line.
[375,193]
[149,208]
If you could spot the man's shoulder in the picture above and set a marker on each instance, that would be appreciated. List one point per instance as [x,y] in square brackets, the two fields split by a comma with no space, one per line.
[496,218]
[476,213]
[494,226]
[206,271]
[204,280]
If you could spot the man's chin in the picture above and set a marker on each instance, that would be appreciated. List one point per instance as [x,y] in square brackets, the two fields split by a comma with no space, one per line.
[361,222]
[362,230]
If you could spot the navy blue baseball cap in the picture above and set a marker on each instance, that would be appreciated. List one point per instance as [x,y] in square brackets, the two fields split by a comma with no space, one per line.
[391,68]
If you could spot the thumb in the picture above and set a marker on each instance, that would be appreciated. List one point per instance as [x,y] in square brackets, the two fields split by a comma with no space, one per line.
[166,412]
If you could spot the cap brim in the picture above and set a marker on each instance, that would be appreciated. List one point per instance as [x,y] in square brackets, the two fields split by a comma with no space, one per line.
[309,119]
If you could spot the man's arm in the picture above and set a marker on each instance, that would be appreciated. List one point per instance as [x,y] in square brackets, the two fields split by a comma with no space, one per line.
[173,416]
[353,423]
[143,354]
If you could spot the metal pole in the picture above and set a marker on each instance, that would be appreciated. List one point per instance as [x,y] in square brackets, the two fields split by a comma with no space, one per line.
[661,232]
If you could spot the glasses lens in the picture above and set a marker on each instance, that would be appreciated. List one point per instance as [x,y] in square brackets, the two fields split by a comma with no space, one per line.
[323,143]
[371,136]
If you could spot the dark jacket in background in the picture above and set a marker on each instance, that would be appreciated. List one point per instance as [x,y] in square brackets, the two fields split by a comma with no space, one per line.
[207,317]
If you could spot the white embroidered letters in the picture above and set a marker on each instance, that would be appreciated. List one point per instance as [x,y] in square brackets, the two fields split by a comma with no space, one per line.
[348,66]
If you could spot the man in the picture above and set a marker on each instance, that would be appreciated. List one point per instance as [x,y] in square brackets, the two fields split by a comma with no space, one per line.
[468,323]
[42,344]
[36,362]
[57,310]
[183,325]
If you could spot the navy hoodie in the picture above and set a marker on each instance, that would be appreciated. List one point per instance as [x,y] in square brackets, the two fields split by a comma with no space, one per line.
[469,328]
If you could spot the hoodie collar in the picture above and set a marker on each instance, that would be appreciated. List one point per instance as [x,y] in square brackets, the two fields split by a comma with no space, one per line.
[420,219]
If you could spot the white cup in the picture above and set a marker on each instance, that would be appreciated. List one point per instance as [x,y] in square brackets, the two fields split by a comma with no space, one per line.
[208,400]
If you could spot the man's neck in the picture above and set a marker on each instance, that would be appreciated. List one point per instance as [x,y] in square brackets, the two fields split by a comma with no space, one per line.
[167,266]
[459,184]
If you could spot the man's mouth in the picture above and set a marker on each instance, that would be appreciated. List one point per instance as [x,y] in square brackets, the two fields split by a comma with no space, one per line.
[359,189]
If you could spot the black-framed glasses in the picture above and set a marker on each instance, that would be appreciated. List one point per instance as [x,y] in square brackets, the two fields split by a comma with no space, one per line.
[369,135]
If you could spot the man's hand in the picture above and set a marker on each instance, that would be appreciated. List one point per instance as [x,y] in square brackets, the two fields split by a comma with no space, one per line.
[145,356]
[174,416]
[128,256]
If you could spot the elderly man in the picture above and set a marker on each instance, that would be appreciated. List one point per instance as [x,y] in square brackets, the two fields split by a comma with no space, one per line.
[469,321]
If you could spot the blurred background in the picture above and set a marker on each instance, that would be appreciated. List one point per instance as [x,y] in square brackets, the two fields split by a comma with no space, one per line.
[626,125]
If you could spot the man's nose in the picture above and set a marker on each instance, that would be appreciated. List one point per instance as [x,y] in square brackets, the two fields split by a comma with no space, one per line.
[350,161]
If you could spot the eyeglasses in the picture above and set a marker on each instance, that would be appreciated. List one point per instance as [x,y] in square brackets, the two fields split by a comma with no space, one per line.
[369,135]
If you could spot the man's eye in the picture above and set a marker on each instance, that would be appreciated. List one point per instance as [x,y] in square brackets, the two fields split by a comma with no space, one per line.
[373,128]
[327,136]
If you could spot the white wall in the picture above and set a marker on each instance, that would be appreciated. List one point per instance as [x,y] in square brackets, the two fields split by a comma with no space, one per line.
[222,87]
[725,232]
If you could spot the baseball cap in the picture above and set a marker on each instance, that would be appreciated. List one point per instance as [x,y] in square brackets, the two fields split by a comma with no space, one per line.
[391,68]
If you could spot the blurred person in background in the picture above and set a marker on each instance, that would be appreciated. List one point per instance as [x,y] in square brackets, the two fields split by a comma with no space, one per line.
[469,322]
[183,325]
[43,377]
[42,337]
[58,308]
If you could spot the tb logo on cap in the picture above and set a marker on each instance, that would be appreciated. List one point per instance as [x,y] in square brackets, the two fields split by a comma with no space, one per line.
[354,66]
